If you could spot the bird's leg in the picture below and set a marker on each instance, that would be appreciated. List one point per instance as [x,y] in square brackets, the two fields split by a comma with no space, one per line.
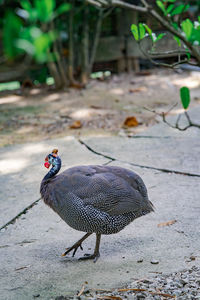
[96,253]
[77,245]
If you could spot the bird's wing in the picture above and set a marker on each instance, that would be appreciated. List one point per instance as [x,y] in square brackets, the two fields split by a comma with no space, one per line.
[110,189]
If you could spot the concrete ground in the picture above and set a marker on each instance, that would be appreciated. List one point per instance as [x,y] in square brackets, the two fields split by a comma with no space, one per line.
[33,236]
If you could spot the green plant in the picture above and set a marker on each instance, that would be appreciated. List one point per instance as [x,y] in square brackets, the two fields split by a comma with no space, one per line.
[185,97]
[27,30]
[185,32]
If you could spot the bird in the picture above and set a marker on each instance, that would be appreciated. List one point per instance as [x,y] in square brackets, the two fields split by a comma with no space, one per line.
[97,199]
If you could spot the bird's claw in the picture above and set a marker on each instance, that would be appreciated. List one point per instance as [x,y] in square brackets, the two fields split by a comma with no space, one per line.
[94,256]
[75,247]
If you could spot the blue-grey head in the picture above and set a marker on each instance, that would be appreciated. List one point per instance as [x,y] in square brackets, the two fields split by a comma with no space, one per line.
[54,160]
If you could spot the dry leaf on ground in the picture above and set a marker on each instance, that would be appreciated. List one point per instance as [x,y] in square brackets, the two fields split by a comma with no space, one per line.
[77,124]
[137,90]
[109,297]
[133,290]
[167,223]
[131,122]
[95,107]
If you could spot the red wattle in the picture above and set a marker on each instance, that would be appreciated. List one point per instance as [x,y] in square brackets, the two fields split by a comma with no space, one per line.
[47,164]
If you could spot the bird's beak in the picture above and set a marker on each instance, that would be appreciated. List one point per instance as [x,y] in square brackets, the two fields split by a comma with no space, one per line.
[46,164]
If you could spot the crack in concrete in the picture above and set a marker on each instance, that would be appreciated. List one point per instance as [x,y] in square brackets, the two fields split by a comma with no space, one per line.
[137,165]
[149,137]
[23,212]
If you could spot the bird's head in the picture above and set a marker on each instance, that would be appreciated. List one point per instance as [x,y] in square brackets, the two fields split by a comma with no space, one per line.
[50,158]
[54,160]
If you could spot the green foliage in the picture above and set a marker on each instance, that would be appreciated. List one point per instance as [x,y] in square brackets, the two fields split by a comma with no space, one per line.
[43,11]
[187,28]
[142,30]
[11,31]
[36,43]
[185,96]
[170,9]
[191,31]
[29,36]
[179,9]
[134,30]
[161,6]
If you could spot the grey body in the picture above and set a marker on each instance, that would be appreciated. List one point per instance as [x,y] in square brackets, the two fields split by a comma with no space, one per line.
[99,199]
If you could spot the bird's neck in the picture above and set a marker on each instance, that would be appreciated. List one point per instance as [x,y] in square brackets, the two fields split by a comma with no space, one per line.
[56,165]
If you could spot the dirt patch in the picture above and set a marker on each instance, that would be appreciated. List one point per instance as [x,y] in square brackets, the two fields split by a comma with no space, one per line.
[101,108]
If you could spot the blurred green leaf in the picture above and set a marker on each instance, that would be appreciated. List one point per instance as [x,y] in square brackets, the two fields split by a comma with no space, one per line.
[160,36]
[31,11]
[172,1]
[187,27]
[148,29]
[26,5]
[188,55]
[141,31]
[11,31]
[180,9]
[177,40]
[45,9]
[161,6]
[185,96]
[62,8]
[134,30]
[170,8]
[42,45]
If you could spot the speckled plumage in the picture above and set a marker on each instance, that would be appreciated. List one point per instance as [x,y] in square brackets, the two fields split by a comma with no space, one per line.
[99,199]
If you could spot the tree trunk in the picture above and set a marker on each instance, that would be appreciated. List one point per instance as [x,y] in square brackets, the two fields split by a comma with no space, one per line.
[53,70]
[85,47]
[55,74]
[96,40]
[71,45]
[60,67]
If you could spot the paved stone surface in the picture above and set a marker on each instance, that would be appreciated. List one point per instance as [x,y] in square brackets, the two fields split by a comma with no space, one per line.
[159,147]
[31,265]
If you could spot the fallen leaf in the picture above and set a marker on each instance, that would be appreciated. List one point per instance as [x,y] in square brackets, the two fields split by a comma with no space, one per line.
[133,290]
[77,124]
[81,291]
[167,223]
[143,73]
[102,290]
[109,297]
[137,90]
[95,107]
[131,122]
[76,85]
[192,257]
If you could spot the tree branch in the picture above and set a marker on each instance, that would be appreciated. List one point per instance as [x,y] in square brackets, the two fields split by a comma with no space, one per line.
[150,10]
[118,3]
[163,115]
[171,66]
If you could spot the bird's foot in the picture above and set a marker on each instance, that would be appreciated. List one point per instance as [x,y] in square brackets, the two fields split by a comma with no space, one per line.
[93,256]
[74,247]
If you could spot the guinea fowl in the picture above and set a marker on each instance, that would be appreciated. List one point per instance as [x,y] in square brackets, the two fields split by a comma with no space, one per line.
[94,199]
